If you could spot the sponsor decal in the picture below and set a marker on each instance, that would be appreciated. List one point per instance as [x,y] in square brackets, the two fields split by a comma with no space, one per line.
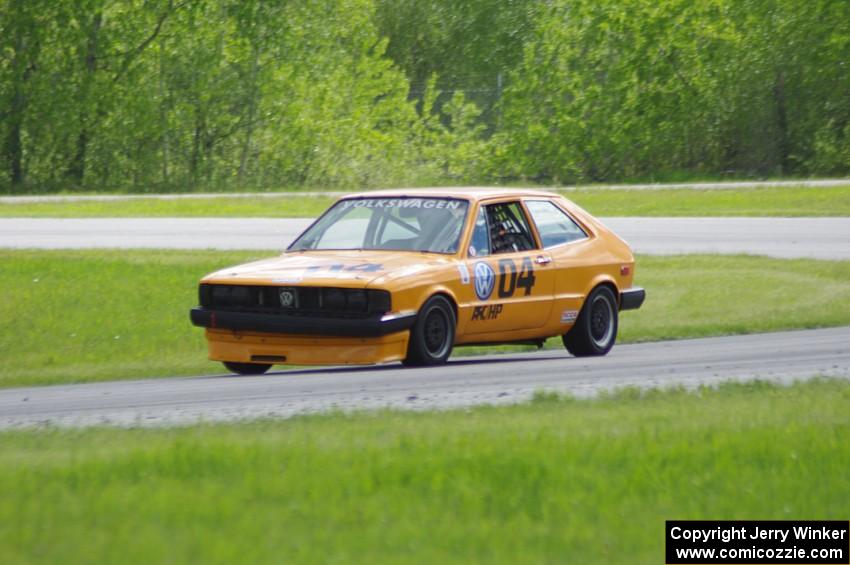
[337,268]
[464,273]
[439,204]
[365,268]
[569,316]
[486,312]
[293,278]
[485,280]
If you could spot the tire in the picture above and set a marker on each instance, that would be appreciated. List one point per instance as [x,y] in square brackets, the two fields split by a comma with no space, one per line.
[595,330]
[433,335]
[246,368]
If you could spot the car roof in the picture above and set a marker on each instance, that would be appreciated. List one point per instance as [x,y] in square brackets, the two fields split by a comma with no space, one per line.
[473,193]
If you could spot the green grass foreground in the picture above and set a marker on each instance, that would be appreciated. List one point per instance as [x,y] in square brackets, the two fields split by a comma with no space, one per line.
[772,201]
[73,316]
[552,481]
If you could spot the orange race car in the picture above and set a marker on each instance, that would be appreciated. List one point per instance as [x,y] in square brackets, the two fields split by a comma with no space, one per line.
[406,276]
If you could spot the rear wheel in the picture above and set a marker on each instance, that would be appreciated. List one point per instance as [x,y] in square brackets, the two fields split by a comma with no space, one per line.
[433,335]
[246,368]
[595,330]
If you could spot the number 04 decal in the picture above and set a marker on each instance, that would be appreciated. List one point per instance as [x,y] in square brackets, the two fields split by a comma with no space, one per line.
[510,279]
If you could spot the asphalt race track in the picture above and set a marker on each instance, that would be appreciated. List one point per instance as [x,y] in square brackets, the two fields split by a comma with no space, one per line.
[815,238]
[495,379]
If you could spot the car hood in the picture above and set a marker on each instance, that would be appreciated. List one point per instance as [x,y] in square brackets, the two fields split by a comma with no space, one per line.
[348,269]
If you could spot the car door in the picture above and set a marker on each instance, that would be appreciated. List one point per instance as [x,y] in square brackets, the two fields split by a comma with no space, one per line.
[565,242]
[513,280]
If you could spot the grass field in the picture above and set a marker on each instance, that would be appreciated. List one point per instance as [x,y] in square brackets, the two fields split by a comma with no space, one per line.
[776,201]
[281,207]
[553,481]
[72,316]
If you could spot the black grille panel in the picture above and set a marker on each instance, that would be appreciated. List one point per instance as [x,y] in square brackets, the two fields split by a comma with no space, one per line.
[303,300]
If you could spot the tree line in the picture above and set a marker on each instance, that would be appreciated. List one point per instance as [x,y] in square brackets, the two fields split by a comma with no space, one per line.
[179,95]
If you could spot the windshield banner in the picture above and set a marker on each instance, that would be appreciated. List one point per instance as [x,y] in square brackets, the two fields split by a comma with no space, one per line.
[402,203]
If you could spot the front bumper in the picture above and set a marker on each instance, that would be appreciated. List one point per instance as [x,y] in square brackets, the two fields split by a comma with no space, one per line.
[246,347]
[632,299]
[374,326]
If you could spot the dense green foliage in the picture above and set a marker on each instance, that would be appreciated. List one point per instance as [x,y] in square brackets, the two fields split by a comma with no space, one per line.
[166,93]
[629,89]
[554,481]
[177,94]
[72,316]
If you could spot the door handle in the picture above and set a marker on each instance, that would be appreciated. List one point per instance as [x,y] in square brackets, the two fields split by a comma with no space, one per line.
[543,260]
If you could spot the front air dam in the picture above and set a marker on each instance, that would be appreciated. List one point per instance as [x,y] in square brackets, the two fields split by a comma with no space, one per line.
[244,347]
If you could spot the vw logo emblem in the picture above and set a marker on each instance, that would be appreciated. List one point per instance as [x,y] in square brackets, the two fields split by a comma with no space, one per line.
[287,298]
[485,280]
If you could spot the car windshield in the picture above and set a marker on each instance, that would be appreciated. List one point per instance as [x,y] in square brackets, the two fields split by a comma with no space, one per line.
[398,223]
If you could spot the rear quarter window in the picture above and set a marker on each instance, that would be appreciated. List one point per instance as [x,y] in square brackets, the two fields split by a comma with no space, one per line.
[553,224]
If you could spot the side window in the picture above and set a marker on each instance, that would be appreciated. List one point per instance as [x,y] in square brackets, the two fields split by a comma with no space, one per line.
[509,229]
[480,244]
[553,224]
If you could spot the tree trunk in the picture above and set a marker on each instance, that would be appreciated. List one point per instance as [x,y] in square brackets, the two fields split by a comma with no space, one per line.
[12,147]
[163,113]
[77,167]
[197,143]
[782,146]
[22,65]
[252,110]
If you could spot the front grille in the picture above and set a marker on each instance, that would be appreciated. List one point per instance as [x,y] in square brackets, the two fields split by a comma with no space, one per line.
[300,300]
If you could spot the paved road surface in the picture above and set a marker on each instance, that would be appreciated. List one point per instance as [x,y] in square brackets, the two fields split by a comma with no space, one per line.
[29,199]
[163,233]
[498,379]
[819,238]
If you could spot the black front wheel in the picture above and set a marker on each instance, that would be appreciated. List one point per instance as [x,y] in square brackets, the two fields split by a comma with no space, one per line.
[433,335]
[595,330]
[247,368]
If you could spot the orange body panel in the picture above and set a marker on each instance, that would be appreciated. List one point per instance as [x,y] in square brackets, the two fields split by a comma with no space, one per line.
[245,347]
[563,276]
